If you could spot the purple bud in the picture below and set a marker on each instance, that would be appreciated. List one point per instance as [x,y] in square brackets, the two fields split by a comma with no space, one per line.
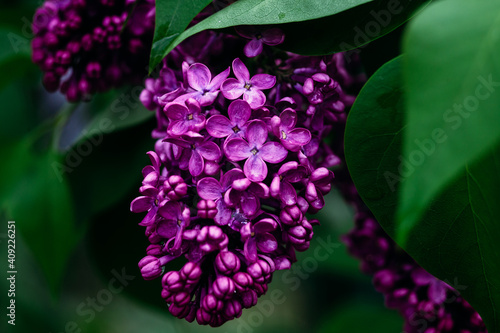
[172,281]
[248,299]
[232,309]
[223,287]
[191,273]
[227,262]
[211,304]
[291,215]
[150,267]
[384,280]
[242,281]
[175,187]
[207,209]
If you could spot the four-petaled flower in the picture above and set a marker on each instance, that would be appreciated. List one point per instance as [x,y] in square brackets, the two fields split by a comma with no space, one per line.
[284,128]
[258,37]
[176,219]
[220,126]
[250,88]
[258,236]
[184,118]
[281,185]
[200,80]
[255,150]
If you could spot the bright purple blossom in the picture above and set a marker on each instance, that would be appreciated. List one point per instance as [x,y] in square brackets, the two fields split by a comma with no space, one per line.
[255,151]
[220,126]
[250,88]
[281,186]
[258,37]
[184,118]
[258,236]
[284,128]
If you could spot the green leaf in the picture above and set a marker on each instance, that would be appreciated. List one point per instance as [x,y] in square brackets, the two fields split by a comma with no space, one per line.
[457,237]
[350,29]
[452,75]
[35,196]
[172,18]
[254,12]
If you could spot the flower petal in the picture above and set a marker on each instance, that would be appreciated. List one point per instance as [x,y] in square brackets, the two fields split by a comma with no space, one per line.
[250,250]
[170,210]
[218,79]
[141,204]
[288,119]
[254,97]
[198,76]
[219,126]
[237,150]
[250,204]
[209,150]
[273,36]
[253,48]
[255,169]
[209,189]
[263,81]
[240,71]
[239,112]
[229,177]
[266,243]
[265,225]
[196,164]
[178,128]
[176,111]
[256,133]
[167,228]
[273,152]
[232,88]
[223,213]
[288,194]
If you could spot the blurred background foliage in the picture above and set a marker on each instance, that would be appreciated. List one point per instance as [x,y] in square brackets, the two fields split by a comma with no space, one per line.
[70,199]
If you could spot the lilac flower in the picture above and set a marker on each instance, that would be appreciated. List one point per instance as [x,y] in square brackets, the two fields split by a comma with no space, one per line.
[205,88]
[184,118]
[258,37]
[196,153]
[220,126]
[281,186]
[284,128]
[176,219]
[250,88]
[259,237]
[255,150]
[211,189]
[246,195]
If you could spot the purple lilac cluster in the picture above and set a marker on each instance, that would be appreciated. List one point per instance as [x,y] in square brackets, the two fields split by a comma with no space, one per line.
[239,161]
[88,46]
[427,304]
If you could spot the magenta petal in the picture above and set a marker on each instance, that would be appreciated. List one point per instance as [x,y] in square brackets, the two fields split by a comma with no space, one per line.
[265,225]
[198,76]
[300,136]
[176,111]
[250,250]
[167,228]
[239,112]
[240,71]
[209,150]
[218,79]
[232,88]
[288,119]
[273,152]
[255,98]
[208,98]
[288,193]
[250,204]
[140,204]
[178,128]
[223,213]
[155,160]
[256,133]
[266,243]
[241,184]
[237,150]
[196,164]
[273,36]
[275,187]
[263,81]
[219,126]
[253,48]
[209,189]
[255,169]
[170,210]
[229,177]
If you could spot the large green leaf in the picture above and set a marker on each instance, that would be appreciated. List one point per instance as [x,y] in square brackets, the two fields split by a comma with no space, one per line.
[254,12]
[172,18]
[452,73]
[457,237]
[34,195]
[349,30]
